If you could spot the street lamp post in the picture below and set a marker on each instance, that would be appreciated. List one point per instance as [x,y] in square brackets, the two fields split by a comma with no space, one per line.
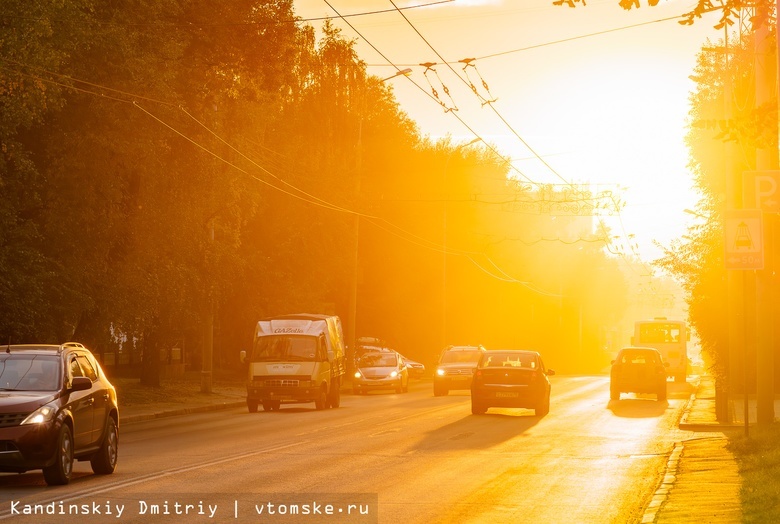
[400,72]
[444,243]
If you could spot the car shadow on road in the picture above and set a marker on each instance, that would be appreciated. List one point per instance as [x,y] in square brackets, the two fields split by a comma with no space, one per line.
[478,431]
[638,407]
[32,481]
[679,390]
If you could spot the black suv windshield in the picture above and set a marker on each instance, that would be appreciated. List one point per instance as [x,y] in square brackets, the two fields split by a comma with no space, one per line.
[27,372]
[458,356]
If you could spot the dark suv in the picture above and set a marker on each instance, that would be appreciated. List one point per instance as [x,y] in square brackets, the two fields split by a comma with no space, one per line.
[455,369]
[56,406]
[638,370]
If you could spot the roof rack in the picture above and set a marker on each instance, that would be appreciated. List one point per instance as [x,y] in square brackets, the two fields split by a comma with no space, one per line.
[73,345]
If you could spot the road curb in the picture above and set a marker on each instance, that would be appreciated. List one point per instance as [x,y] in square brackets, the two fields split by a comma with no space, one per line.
[345,388]
[667,483]
[700,426]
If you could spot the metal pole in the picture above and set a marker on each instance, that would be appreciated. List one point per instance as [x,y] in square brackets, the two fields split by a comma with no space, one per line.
[444,244]
[737,346]
[744,357]
[764,347]
[208,335]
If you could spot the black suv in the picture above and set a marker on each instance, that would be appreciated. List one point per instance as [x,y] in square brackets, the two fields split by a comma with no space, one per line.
[455,369]
[56,406]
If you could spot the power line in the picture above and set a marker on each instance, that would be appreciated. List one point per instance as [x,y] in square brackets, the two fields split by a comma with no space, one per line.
[579,37]
[499,115]
[399,70]
[506,123]
[308,198]
[424,91]
[188,23]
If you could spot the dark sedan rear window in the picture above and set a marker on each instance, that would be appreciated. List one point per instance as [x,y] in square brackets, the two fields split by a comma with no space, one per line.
[513,360]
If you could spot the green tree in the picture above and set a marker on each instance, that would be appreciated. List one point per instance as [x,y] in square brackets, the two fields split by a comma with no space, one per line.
[33,37]
[697,259]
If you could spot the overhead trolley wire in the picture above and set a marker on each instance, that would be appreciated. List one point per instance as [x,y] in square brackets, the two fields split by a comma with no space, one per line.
[399,70]
[468,84]
[189,23]
[424,91]
[498,114]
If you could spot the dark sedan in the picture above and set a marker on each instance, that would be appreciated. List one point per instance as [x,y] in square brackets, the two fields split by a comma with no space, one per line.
[56,406]
[511,379]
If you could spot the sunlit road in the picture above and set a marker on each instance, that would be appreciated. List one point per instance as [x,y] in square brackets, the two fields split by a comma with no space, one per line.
[427,458]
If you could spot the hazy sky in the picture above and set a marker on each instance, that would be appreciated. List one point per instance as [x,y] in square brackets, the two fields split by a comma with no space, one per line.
[600,93]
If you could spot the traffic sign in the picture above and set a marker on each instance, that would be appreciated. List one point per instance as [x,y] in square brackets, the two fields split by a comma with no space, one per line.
[760,190]
[744,239]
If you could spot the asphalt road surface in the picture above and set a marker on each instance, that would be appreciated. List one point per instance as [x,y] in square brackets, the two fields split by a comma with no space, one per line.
[383,457]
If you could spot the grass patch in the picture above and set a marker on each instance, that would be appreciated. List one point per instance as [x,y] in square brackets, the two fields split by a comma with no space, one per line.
[131,392]
[759,466]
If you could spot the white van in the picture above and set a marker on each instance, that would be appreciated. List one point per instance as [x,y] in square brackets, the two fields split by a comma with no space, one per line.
[294,359]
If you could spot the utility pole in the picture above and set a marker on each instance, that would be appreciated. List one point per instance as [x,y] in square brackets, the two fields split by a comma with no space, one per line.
[735,288]
[764,302]
[206,374]
[728,383]
[444,242]
[353,289]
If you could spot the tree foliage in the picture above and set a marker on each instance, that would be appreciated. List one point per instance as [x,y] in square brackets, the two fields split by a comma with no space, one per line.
[721,145]
[169,163]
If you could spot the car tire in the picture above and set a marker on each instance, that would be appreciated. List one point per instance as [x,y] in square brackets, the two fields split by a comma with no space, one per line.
[544,408]
[614,394]
[661,394]
[477,408]
[104,461]
[335,396]
[322,400]
[251,405]
[59,473]
[268,405]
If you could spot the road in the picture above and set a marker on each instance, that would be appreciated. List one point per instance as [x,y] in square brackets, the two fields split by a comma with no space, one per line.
[402,458]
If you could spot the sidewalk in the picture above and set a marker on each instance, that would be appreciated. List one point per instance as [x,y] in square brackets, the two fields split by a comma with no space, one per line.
[223,397]
[702,482]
